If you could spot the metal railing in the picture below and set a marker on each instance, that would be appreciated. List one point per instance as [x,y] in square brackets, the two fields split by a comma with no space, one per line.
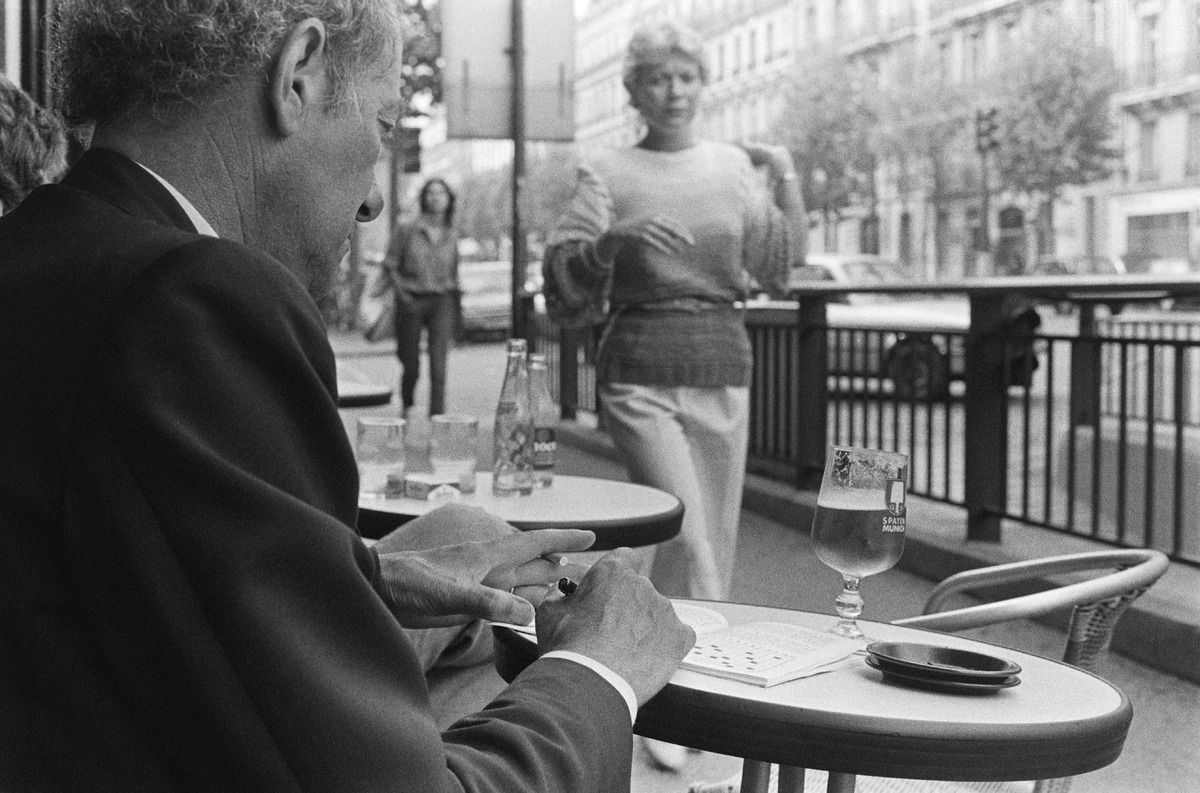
[1094,432]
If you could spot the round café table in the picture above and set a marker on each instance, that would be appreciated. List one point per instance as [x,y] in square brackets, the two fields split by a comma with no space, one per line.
[620,513]
[360,394]
[1059,721]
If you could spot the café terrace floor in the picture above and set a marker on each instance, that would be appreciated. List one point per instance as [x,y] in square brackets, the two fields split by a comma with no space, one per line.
[776,566]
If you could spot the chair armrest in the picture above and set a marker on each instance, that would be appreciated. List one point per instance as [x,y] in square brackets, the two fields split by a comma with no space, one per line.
[1141,568]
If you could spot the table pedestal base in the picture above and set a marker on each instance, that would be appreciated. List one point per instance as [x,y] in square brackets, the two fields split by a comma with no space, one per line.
[756,778]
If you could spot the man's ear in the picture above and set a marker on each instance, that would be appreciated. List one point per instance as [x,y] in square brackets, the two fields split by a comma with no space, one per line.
[298,82]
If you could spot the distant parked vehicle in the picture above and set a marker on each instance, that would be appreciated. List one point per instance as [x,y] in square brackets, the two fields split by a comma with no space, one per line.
[486,301]
[919,342]
[1080,265]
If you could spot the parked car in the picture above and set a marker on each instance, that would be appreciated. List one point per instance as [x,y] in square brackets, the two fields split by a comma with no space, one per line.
[1082,265]
[917,343]
[486,301]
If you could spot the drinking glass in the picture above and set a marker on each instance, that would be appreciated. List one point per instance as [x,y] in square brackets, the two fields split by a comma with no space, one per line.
[379,450]
[858,528]
[454,448]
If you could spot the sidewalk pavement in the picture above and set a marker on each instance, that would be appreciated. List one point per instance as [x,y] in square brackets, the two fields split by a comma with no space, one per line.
[776,566]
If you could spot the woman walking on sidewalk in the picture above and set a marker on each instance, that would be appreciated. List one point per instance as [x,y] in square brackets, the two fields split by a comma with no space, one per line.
[657,243]
[422,264]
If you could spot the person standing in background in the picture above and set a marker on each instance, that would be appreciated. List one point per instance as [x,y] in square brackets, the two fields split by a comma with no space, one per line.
[422,265]
[33,145]
[660,239]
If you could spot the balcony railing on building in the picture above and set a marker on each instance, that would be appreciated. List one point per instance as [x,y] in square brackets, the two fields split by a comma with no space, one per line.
[1094,434]
[1162,70]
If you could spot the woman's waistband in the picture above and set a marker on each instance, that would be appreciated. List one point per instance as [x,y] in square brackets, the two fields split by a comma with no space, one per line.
[690,305]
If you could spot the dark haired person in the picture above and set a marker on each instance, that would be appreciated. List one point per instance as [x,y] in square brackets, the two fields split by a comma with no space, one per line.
[422,265]
[186,602]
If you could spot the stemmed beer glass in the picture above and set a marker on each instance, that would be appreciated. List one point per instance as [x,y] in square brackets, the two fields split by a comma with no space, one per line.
[858,529]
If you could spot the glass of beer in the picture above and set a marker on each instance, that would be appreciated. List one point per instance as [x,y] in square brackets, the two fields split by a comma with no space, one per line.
[858,528]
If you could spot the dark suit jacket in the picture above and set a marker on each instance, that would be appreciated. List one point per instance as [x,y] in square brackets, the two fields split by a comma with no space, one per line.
[183,602]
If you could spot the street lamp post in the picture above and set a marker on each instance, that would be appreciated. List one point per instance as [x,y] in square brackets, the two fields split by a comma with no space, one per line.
[517,54]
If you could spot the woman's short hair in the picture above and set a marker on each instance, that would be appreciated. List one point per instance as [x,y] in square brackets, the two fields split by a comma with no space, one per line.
[425,188]
[33,145]
[651,44]
[113,57]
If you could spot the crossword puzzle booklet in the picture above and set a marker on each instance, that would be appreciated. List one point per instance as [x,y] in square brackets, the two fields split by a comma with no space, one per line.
[761,653]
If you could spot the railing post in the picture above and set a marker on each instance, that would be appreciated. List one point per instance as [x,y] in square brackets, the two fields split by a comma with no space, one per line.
[1085,369]
[985,464]
[812,391]
[568,373]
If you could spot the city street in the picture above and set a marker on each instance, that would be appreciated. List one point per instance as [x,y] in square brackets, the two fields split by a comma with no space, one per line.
[775,566]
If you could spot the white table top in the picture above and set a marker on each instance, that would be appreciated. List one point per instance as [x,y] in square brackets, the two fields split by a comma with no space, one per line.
[1060,720]
[623,513]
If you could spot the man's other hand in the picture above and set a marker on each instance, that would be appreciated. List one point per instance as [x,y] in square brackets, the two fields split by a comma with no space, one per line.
[618,618]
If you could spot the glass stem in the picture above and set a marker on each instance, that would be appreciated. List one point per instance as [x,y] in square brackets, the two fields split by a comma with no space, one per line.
[849,606]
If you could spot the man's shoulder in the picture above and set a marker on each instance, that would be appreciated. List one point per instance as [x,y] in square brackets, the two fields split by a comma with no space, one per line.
[75,248]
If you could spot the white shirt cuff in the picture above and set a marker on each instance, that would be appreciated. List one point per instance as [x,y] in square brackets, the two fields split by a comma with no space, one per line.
[615,680]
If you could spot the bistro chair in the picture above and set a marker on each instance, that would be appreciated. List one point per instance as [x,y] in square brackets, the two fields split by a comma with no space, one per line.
[1097,605]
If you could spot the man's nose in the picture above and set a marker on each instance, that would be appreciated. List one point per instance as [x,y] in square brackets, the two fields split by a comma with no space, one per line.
[372,207]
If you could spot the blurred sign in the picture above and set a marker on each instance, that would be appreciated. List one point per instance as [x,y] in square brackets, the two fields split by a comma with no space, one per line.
[406,143]
[477,76]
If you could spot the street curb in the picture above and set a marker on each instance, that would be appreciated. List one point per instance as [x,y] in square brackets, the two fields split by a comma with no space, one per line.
[1158,630]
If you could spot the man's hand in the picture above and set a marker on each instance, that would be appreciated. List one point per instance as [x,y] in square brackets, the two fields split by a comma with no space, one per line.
[617,617]
[428,585]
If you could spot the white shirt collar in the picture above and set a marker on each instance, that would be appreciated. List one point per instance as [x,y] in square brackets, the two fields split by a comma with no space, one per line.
[202,225]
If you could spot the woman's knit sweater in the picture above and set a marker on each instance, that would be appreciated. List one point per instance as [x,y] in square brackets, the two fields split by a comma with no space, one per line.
[672,317]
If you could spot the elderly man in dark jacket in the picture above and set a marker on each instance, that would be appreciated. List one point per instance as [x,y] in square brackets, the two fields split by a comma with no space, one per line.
[185,603]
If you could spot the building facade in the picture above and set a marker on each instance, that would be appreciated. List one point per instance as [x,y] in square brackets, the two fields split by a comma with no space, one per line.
[1147,212]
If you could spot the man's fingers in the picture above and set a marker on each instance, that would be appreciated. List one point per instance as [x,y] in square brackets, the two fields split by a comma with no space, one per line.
[540,572]
[507,607]
[520,548]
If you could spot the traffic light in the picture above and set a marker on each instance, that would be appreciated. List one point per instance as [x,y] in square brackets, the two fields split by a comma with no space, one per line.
[987,130]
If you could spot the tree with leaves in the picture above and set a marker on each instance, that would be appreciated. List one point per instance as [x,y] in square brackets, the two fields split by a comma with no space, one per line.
[422,66]
[828,116]
[922,133]
[1053,92]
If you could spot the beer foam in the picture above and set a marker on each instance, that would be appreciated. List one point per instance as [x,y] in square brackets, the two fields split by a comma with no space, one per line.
[859,500]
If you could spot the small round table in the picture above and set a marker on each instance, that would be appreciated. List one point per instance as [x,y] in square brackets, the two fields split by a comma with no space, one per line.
[359,394]
[620,513]
[1060,721]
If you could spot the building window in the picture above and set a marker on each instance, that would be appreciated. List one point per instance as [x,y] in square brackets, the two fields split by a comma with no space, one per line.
[769,43]
[944,65]
[1192,162]
[1193,36]
[1095,21]
[737,56]
[721,61]
[1158,236]
[752,45]
[974,60]
[839,15]
[1148,151]
[810,22]
[1148,48]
